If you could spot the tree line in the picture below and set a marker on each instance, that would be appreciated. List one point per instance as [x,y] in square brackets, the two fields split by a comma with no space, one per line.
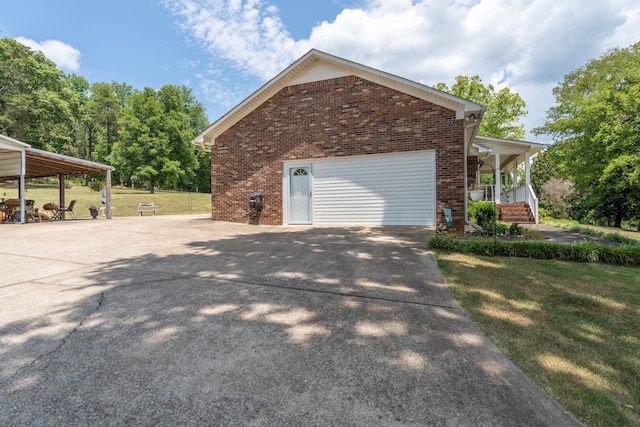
[595,157]
[591,171]
[145,134]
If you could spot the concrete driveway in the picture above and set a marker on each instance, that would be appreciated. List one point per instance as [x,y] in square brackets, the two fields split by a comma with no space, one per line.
[179,320]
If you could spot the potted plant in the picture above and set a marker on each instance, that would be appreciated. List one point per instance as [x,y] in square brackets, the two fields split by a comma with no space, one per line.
[476,192]
[93,211]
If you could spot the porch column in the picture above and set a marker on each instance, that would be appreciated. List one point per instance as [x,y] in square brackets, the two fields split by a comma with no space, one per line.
[498,181]
[515,182]
[527,172]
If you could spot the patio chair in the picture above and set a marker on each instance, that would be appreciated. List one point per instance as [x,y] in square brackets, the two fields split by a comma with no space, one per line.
[30,211]
[61,211]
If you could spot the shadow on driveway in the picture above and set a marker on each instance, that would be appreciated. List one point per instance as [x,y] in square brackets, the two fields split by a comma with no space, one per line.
[185,321]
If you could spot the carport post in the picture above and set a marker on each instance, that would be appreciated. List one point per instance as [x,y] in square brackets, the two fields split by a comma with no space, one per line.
[23,172]
[108,194]
[61,192]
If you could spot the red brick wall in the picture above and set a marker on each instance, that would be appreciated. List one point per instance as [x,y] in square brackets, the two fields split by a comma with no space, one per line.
[472,168]
[331,118]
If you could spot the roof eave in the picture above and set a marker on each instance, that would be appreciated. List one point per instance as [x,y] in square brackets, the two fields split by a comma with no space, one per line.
[462,107]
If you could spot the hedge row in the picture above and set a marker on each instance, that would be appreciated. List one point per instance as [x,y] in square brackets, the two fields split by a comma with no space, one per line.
[614,237]
[577,252]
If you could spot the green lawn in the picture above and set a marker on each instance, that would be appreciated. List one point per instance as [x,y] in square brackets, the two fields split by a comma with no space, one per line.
[124,200]
[574,328]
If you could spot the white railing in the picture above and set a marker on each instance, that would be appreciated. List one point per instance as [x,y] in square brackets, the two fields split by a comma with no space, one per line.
[528,197]
[532,200]
[491,195]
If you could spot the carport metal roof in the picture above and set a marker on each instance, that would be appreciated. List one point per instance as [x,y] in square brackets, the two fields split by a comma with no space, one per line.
[40,164]
[19,161]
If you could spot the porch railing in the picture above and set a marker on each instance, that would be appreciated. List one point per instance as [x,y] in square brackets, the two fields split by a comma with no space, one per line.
[530,198]
[490,194]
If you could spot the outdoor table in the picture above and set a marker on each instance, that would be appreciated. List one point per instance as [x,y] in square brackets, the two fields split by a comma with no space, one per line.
[53,211]
[10,207]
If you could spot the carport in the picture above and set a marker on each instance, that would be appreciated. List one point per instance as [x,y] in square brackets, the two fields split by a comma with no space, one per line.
[19,161]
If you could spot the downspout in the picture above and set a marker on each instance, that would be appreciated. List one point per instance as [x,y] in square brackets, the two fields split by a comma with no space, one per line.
[466,185]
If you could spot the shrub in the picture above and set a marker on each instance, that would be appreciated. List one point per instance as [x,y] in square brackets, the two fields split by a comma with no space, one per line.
[614,237]
[577,252]
[96,185]
[485,213]
[515,230]
[618,238]
[556,196]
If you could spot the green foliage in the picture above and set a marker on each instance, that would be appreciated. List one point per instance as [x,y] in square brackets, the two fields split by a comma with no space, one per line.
[595,123]
[577,252]
[485,214]
[36,99]
[614,237]
[145,134]
[504,108]
[155,139]
[514,230]
[96,185]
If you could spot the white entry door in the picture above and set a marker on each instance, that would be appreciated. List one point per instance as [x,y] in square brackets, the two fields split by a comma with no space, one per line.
[299,195]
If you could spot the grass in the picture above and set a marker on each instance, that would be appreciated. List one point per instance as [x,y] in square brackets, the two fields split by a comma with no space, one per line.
[124,200]
[571,327]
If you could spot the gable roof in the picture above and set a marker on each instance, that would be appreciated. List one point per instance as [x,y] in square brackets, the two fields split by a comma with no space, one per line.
[315,66]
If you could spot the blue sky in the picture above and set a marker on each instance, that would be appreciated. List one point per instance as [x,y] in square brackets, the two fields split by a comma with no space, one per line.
[226,49]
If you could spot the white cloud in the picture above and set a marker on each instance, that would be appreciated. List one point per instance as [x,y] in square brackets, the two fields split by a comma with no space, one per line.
[528,46]
[63,55]
[247,33]
[221,89]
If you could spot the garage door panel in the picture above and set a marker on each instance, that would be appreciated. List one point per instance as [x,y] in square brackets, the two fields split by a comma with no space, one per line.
[392,189]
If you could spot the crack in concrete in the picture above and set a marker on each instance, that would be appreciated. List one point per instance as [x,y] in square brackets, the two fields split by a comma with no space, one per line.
[63,341]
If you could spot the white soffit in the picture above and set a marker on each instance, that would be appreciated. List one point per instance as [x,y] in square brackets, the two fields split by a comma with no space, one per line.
[489,145]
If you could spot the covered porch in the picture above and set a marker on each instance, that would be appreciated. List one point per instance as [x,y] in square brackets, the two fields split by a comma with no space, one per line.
[509,163]
[18,162]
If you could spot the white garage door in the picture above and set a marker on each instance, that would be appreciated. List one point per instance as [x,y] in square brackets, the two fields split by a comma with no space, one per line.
[385,189]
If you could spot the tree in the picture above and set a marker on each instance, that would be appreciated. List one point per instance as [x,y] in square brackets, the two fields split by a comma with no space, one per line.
[34,98]
[504,108]
[596,123]
[156,132]
[619,184]
[85,126]
[105,109]
[556,196]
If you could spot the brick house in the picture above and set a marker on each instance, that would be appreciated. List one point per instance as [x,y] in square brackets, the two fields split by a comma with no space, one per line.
[332,142]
